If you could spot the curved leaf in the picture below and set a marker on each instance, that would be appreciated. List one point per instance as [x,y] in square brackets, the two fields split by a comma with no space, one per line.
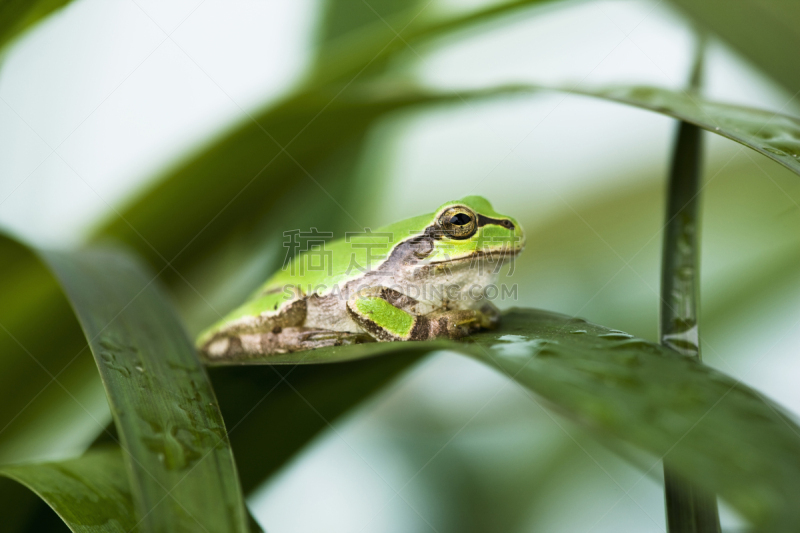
[713,429]
[171,431]
[772,134]
[775,135]
[90,494]
[39,420]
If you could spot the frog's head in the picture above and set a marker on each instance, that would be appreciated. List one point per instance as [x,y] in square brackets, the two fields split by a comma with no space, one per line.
[469,228]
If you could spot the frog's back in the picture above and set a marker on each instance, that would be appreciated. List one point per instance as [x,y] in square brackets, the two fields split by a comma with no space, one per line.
[342,260]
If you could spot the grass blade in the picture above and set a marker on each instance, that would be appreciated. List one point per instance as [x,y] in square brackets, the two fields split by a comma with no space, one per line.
[90,494]
[171,431]
[689,509]
[714,430]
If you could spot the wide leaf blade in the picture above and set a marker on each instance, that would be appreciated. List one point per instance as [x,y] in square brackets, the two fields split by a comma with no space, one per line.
[175,446]
[714,430]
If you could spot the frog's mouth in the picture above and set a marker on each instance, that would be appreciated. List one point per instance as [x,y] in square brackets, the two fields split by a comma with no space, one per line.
[498,255]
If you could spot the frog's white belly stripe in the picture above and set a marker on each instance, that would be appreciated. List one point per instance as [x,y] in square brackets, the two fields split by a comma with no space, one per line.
[330,312]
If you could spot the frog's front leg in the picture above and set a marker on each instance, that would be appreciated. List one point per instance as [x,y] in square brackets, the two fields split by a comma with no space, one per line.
[388,315]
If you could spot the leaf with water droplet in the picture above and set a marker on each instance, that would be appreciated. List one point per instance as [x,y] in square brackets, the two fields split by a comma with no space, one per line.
[158,393]
[716,431]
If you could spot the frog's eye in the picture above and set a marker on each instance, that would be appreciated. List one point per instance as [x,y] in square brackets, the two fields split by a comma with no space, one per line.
[458,222]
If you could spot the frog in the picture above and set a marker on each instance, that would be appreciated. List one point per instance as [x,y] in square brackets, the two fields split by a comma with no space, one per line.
[422,278]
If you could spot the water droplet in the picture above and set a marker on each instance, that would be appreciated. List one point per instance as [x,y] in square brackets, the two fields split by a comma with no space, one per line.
[616,335]
[685,341]
[140,368]
[110,361]
[524,349]
[774,151]
[717,128]
[579,332]
[634,344]
[512,338]
[685,272]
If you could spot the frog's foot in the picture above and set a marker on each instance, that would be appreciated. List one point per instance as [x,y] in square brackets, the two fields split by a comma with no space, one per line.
[244,346]
[388,315]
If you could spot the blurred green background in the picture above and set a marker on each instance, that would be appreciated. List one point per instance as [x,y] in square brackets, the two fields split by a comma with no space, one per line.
[160,125]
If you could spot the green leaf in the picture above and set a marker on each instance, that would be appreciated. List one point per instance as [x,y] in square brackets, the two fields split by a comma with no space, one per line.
[41,417]
[763,31]
[772,134]
[714,430]
[171,431]
[90,494]
[16,16]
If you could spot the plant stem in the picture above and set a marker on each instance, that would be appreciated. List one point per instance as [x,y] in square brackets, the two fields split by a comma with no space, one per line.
[689,509]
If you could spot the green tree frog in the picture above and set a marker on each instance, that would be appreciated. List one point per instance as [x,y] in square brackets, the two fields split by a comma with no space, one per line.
[422,278]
